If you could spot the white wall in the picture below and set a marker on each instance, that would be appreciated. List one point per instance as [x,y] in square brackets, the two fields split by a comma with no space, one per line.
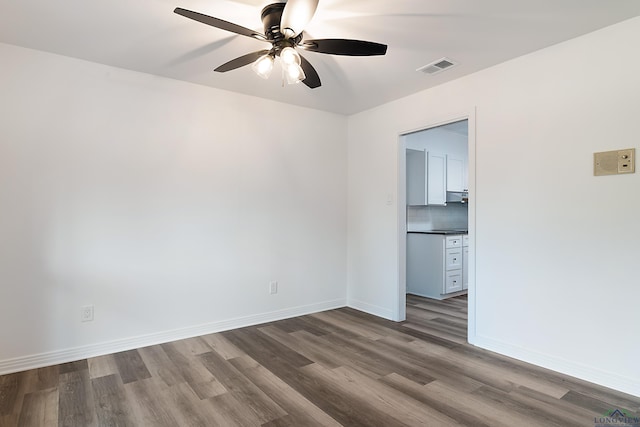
[556,249]
[440,140]
[168,206]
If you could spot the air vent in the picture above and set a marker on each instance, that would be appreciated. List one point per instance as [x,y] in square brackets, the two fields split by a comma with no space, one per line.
[437,66]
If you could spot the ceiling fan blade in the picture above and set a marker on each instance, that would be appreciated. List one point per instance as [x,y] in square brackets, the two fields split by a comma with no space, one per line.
[219,23]
[313,79]
[344,47]
[241,61]
[296,15]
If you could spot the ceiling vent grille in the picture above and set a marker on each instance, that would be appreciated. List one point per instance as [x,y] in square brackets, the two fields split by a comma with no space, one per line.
[437,66]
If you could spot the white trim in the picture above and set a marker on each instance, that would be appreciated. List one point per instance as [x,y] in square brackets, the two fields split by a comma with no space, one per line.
[471,174]
[567,367]
[383,312]
[401,306]
[69,355]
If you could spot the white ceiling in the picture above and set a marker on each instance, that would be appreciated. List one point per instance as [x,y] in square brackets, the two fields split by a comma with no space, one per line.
[146,36]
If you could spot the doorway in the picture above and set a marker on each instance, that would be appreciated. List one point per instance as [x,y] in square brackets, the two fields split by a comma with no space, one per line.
[460,126]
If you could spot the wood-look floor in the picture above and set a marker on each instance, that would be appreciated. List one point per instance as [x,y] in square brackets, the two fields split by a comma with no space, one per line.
[340,367]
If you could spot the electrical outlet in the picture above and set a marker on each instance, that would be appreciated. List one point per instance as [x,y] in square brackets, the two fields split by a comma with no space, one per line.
[87,313]
[273,288]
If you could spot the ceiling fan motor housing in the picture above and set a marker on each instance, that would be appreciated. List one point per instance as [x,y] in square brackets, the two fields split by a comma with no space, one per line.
[271,17]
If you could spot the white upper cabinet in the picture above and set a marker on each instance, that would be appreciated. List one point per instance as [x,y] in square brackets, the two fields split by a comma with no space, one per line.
[465,180]
[436,178]
[426,178]
[455,174]
[416,177]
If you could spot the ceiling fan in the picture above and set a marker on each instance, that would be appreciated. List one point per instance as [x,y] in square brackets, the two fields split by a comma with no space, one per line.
[283,28]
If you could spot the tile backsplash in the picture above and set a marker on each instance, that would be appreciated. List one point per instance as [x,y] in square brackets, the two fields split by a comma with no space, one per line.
[452,216]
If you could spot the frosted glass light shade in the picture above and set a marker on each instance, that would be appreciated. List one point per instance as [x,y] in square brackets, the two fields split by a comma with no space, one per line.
[263,66]
[289,56]
[294,73]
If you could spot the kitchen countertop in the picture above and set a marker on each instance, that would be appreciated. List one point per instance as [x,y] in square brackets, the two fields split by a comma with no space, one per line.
[446,232]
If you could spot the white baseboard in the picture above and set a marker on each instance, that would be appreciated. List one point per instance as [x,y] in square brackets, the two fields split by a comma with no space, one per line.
[370,308]
[588,373]
[69,355]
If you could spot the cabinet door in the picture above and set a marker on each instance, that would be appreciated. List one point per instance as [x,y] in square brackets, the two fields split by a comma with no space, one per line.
[455,174]
[465,267]
[416,177]
[465,178]
[436,179]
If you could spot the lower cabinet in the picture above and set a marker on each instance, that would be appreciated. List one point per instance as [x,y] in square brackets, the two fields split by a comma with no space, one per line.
[435,265]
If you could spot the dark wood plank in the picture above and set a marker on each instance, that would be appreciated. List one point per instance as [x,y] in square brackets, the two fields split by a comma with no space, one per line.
[160,366]
[229,409]
[8,393]
[337,401]
[111,405]
[131,366]
[149,404]
[102,366]
[325,395]
[301,346]
[587,402]
[371,393]
[570,415]
[187,407]
[417,392]
[39,409]
[223,346]
[238,385]
[499,398]
[186,363]
[364,353]
[78,365]
[75,399]
[268,345]
[16,387]
[301,412]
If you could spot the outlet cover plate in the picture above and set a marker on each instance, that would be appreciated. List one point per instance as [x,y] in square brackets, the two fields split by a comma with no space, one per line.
[273,288]
[86,314]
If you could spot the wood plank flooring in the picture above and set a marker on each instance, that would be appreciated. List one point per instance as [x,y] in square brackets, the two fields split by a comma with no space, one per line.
[341,367]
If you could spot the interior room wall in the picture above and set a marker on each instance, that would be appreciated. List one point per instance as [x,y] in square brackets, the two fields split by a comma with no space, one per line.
[555,248]
[169,207]
[439,140]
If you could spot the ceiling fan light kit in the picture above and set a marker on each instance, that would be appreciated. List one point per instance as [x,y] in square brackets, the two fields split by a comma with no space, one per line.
[283,28]
[291,65]
[263,66]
